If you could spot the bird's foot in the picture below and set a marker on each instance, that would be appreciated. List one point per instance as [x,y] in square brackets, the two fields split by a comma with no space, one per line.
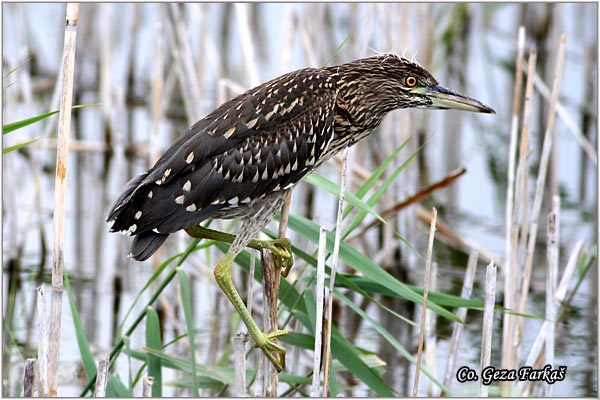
[274,352]
[282,249]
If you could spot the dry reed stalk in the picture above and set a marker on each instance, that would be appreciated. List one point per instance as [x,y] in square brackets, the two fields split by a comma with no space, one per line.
[446,235]
[101,378]
[319,296]
[519,221]
[60,192]
[457,328]
[147,384]
[559,298]
[334,265]
[432,229]
[488,323]
[509,262]
[239,362]
[271,275]
[249,54]
[553,238]
[42,364]
[430,336]
[541,179]
[29,380]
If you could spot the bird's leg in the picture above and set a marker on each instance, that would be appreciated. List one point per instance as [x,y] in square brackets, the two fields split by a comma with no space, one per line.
[282,248]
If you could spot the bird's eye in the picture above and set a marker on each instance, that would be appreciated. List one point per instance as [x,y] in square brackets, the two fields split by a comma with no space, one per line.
[411,81]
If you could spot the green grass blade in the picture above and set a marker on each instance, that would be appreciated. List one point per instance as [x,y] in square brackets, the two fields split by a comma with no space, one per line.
[13,126]
[333,188]
[392,340]
[87,359]
[153,341]
[365,265]
[17,146]
[186,302]
[360,216]
[116,388]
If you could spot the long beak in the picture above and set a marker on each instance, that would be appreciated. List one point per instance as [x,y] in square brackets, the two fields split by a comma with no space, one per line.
[443,98]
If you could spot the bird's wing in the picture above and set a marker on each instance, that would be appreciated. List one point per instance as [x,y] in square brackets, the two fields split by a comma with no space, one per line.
[263,141]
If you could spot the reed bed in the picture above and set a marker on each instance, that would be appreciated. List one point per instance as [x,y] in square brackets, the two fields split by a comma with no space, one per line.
[361,309]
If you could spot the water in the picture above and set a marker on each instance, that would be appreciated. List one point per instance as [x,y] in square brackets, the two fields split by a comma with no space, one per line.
[474,208]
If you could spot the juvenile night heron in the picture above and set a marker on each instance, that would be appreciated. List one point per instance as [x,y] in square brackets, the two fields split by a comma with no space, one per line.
[241,160]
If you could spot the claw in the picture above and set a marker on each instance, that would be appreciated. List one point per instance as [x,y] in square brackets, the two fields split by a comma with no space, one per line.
[282,248]
[274,352]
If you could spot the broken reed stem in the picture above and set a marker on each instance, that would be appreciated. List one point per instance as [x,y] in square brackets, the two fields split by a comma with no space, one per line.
[239,362]
[29,380]
[60,191]
[320,298]
[101,378]
[334,264]
[551,274]
[541,178]
[457,328]
[488,323]
[147,384]
[432,229]
[271,274]
[508,270]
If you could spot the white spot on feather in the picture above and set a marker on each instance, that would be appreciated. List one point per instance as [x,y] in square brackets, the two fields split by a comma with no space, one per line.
[187,186]
[191,208]
[137,215]
[150,194]
[229,132]
[190,157]
[179,200]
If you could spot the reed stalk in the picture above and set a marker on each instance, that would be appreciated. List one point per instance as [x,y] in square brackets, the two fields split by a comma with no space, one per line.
[42,363]
[432,229]
[60,194]
[509,261]
[334,265]
[553,238]
[541,178]
[239,362]
[101,378]
[430,336]
[319,297]
[147,384]
[461,313]
[29,381]
[560,297]
[488,323]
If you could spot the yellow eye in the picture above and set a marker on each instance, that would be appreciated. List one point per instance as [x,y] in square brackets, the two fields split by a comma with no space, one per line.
[411,81]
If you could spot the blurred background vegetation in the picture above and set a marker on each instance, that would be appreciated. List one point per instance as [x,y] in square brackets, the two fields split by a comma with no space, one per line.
[151,70]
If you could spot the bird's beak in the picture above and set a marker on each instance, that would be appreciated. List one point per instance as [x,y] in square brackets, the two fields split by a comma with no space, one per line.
[443,98]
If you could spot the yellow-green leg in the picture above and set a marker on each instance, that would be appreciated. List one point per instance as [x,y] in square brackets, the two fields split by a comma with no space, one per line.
[265,341]
[282,248]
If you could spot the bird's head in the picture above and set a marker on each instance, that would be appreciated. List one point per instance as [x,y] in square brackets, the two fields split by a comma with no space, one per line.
[388,82]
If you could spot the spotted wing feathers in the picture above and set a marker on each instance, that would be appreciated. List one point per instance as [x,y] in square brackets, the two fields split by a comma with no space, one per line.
[263,141]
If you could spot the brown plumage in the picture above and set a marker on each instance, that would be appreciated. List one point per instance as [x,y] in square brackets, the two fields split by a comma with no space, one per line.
[241,159]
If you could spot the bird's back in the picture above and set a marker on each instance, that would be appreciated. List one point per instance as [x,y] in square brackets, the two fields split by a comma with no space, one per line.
[259,143]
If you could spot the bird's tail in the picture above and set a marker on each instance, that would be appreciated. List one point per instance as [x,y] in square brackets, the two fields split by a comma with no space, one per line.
[145,244]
